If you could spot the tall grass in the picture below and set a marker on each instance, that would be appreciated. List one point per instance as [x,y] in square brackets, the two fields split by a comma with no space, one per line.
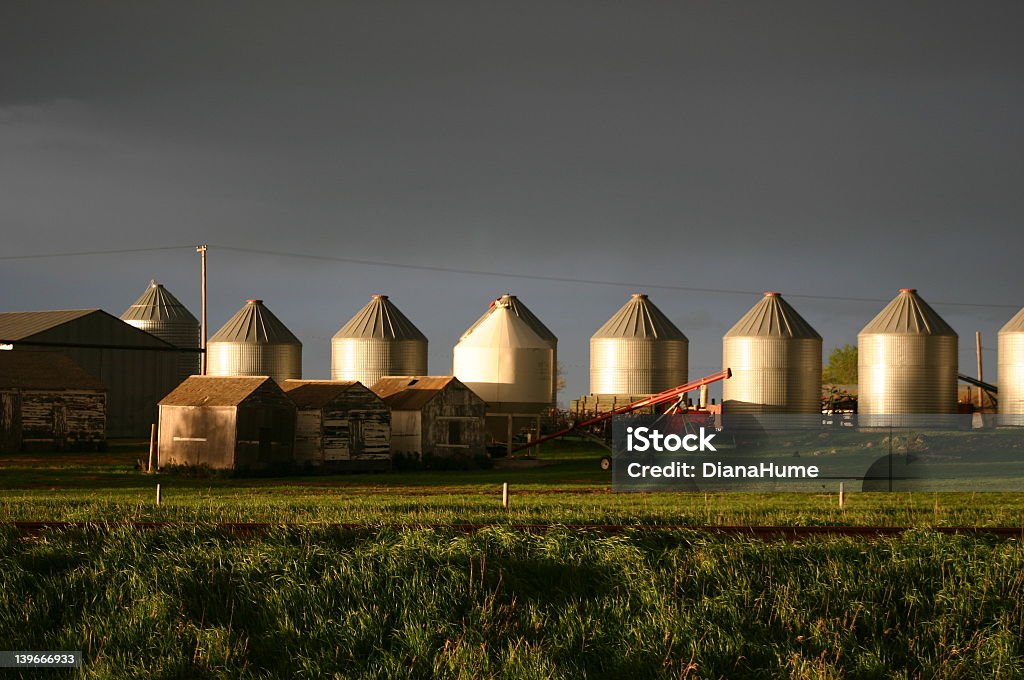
[316,603]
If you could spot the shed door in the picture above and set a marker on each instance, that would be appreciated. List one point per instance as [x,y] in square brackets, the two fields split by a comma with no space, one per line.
[357,440]
[60,425]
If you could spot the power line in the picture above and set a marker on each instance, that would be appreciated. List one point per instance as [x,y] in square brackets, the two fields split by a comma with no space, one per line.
[481,272]
[119,251]
[569,279]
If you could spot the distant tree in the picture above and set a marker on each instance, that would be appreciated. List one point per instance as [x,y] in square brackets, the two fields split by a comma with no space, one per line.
[559,377]
[842,366]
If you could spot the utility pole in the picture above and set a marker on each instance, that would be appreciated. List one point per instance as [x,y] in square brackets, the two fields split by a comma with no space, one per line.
[981,376]
[202,324]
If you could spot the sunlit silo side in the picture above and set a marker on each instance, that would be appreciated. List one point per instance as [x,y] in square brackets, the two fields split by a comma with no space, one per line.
[255,342]
[517,307]
[1011,370]
[378,341]
[159,313]
[638,351]
[907,361]
[506,363]
[775,357]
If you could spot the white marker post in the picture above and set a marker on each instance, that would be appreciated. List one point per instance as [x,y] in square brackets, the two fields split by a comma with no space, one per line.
[152,446]
[504,495]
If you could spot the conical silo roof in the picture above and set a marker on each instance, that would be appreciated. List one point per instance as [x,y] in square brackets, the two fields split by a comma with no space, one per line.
[380,319]
[502,328]
[516,306]
[639,318]
[254,323]
[158,304]
[1014,325]
[772,317]
[908,313]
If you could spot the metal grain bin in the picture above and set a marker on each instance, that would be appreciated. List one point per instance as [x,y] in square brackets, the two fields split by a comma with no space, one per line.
[378,341]
[161,314]
[1011,371]
[254,342]
[516,306]
[775,357]
[907,362]
[506,363]
[638,351]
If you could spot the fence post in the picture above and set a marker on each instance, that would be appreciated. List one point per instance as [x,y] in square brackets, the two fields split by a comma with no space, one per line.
[152,446]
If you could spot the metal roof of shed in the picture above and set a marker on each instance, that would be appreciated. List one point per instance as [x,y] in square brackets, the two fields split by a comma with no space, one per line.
[411,392]
[314,394]
[212,390]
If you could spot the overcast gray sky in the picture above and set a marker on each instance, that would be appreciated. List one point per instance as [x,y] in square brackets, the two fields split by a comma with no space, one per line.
[832,148]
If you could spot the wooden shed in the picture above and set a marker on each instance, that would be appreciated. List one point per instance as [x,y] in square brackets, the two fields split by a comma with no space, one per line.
[49,402]
[227,423]
[433,416]
[340,425]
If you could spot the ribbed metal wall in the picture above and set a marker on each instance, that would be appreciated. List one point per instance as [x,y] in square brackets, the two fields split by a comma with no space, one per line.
[637,366]
[638,351]
[370,359]
[1011,371]
[280,362]
[378,341]
[907,361]
[159,313]
[775,357]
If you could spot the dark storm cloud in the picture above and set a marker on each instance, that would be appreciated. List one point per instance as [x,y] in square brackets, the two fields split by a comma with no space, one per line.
[847,148]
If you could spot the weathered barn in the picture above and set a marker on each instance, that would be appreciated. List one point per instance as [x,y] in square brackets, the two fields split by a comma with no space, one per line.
[136,368]
[48,402]
[433,416]
[227,423]
[341,425]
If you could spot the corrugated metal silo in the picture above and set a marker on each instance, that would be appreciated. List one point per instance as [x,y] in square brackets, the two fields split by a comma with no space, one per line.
[255,342]
[517,307]
[506,362]
[907,361]
[159,313]
[638,351]
[378,341]
[775,357]
[1011,370]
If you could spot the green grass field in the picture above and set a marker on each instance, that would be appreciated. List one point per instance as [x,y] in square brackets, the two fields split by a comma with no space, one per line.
[400,599]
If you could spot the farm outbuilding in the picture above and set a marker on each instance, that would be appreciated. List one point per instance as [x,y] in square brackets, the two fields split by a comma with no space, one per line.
[227,423]
[340,425]
[433,416]
[136,367]
[48,402]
